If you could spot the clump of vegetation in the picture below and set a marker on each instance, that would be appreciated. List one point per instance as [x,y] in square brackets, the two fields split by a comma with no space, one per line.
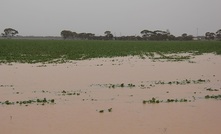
[213,97]
[69,93]
[45,101]
[182,82]
[122,85]
[131,85]
[64,92]
[6,85]
[28,102]
[155,101]
[210,89]
[199,81]
[43,91]
[176,100]
[110,110]
[7,102]
[152,101]
[153,83]
[102,111]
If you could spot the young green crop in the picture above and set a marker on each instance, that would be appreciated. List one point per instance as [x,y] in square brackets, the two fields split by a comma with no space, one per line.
[33,51]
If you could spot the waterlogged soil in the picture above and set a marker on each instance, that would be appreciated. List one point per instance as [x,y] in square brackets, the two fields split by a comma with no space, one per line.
[107,95]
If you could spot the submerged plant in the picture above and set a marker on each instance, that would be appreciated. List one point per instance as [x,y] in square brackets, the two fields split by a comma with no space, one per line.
[210,89]
[101,111]
[122,85]
[28,102]
[153,100]
[213,97]
[110,110]
[8,103]
[176,100]
[131,85]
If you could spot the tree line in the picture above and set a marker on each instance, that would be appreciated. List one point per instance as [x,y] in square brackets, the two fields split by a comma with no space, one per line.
[67,34]
[212,36]
[157,35]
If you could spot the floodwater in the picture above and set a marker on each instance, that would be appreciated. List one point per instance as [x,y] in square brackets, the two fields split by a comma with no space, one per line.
[100,108]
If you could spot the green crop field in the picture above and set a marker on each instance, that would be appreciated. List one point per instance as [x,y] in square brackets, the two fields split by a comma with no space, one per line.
[33,51]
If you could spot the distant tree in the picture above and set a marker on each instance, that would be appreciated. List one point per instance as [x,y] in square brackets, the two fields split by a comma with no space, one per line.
[160,35]
[189,37]
[210,36]
[180,38]
[146,34]
[74,34]
[171,37]
[184,35]
[9,32]
[207,35]
[218,34]
[85,35]
[168,31]
[66,34]
[139,38]
[157,35]
[3,34]
[108,35]
[90,36]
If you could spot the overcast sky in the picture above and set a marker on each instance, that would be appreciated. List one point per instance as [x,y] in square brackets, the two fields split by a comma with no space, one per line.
[121,17]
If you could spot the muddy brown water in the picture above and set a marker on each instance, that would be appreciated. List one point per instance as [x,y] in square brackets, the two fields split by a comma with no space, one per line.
[81,114]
